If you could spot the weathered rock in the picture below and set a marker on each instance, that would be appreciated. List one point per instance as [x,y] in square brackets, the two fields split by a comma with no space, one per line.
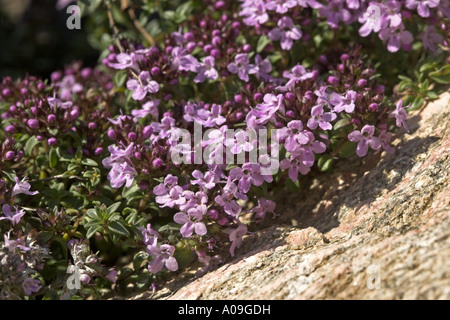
[378,230]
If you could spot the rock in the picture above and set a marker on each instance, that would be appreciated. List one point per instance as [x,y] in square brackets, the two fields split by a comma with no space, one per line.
[376,230]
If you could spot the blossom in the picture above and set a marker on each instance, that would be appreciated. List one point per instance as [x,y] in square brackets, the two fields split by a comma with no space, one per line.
[30,285]
[206,70]
[431,37]
[365,139]
[14,218]
[150,107]
[236,237]
[335,12]
[423,6]
[121,173]
[143,85]
[262,68]
[264,206]
[254,12]
[58,104]
[286,32]
[298,73]
[321,119]
[293,135]
[400,115]
[172,198]
[281,6]
[67,86]
[22,187]
[125,61]
[242,67]
[226,199]
[183,61]
[372,20]
[396,38]
[162,256]
[295,166]
[247,175]
[191,221]
[264,112]
[149,234]
[207,180]
[346,102]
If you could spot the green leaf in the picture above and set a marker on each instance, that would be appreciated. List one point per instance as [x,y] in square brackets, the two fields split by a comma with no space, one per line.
[92,213]
[117,228]
[417,103]
[442,75]
[342,123]
[138,259]
[89,162]
[53,158]
[325,163]
[348,149]
[92,230]
[170,226]
[120,78]
[113,208]
[29,146]
[263,41]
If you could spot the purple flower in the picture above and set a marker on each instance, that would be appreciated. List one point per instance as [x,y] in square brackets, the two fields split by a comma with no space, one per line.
[14,218]
[293,135]
[264,112]
[286,32]
[121,173]
[206,70]
[58,104]
[207,180]
[149,234]
[22,187]
[125,61]
[162,256]
[311,3]
[117,155]
[430,38]
[298,73]
[372,20]
[365,139]
[254,12]
[321,118]
[226,199]
[264,206]
[346,102]
[183,61]
[30,285]
[150,107]
[423,6]
[242,67]
[281,6]
[396,38]
[191,221]
[295,166]
[335,12]
[400,115]
[143,85]
[262,68]
[385,137]
[236,237]
[112,276]
[163,188]
[67,86]
[172,198]
[249,174]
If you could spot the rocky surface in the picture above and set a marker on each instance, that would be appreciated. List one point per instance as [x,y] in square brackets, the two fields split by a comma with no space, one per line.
[376,230]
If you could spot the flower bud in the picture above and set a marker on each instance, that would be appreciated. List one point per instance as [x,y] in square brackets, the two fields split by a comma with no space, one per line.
[9,156]
[98,151]
[111,134]
[52,141]
[33,123]
[157,163]
[92,125]
[10,129]
[333,80]
[362,83]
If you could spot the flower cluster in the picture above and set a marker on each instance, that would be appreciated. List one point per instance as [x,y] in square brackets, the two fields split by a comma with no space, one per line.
[174,151]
